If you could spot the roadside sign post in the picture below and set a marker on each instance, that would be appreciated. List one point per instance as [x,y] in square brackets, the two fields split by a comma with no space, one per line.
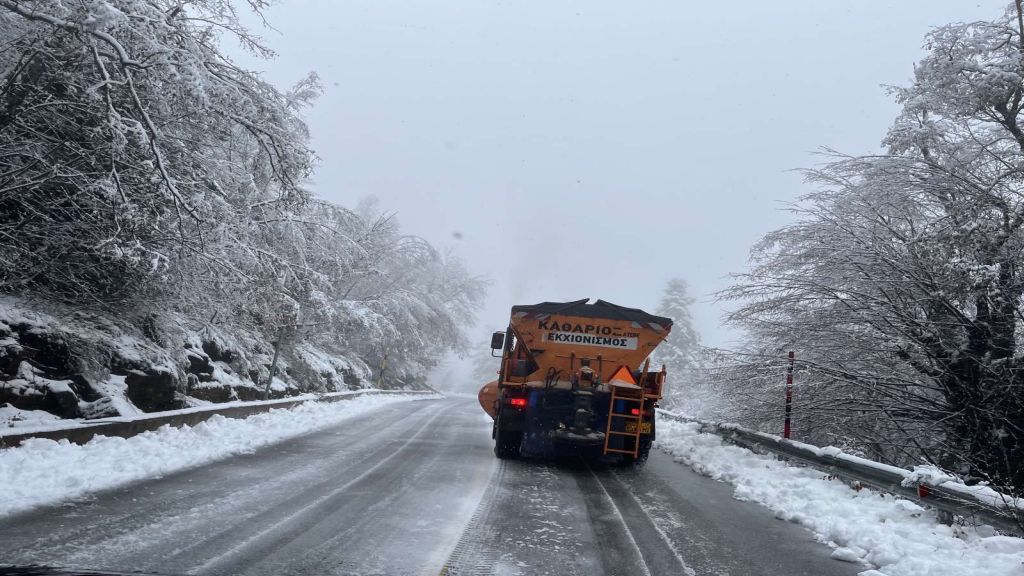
[789,395]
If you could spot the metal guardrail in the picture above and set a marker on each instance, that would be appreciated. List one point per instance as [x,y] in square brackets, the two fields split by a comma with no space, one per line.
[127,427]
[1005,514]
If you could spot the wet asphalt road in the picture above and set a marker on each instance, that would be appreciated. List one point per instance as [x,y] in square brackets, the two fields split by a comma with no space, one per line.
[413,488]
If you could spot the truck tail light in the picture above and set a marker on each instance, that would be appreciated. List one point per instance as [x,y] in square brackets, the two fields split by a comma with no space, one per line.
[634,411]
[517,402]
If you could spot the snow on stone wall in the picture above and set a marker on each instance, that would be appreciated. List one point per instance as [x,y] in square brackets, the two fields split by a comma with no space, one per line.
[70,364]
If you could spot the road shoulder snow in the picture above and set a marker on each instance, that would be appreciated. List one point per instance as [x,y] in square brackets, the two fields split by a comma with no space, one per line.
[896,535]
[42,472]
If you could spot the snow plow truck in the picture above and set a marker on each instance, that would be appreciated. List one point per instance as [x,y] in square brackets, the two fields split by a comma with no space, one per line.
[575,380]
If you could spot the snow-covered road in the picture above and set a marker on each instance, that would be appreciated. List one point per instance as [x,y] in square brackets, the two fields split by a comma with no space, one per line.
[412,488]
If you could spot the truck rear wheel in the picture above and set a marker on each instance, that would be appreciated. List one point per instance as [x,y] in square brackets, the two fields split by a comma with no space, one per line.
[642,454]
[507,444]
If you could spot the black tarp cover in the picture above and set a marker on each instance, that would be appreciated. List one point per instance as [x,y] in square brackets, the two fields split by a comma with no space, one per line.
[599,309]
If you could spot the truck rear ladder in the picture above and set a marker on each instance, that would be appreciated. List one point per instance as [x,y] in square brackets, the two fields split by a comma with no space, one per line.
[629,394]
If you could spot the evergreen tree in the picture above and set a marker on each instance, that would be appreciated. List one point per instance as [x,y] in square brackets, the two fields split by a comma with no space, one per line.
[681,351]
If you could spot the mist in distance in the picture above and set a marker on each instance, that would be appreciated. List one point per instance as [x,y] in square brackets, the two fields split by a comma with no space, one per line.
[595,149]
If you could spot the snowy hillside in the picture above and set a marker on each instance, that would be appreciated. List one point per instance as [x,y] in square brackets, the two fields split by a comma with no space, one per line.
[62,364]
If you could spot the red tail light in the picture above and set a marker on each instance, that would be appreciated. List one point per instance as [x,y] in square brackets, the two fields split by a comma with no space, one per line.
[517,402]
[634,411]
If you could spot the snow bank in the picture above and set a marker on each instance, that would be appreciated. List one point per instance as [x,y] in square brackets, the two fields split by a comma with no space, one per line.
[17,420]
[933,476]
[897,536]
[43,471]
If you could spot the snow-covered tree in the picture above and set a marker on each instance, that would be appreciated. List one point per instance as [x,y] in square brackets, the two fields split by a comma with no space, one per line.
[682,347]
[900,285]
[681,352]
[143,172]
[130,144]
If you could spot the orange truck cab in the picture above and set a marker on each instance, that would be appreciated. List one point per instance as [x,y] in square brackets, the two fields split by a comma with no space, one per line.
[575,379]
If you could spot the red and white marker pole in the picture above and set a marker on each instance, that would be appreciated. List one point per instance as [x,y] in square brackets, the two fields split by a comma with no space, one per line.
[789,395]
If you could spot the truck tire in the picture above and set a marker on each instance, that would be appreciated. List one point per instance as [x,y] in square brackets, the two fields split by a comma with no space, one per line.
[642,454]
[645,450]
[507,444]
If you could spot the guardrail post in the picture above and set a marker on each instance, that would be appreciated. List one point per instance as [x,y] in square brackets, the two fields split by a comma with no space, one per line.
[944,516]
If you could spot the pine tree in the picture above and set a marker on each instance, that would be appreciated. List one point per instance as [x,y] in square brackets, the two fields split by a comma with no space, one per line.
[681,351]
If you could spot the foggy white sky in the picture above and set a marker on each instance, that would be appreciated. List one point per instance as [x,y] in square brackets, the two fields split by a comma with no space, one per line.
[595,148]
